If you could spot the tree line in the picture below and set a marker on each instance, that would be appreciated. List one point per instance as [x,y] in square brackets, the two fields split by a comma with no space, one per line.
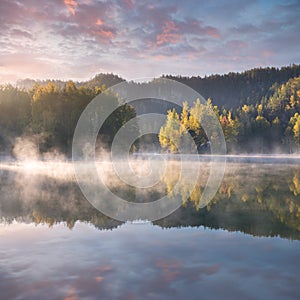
[233,90]
[259,112]
[48,113]
[271,125]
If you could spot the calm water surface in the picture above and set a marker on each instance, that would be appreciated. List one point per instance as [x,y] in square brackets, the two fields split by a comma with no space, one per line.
[244,245]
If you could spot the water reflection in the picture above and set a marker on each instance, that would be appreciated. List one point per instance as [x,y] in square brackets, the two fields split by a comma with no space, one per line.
[144,262]
[262,200]
[179,257]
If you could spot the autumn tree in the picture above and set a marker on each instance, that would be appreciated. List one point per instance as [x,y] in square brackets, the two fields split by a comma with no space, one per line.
[230,127]
[295,129]
[169,135]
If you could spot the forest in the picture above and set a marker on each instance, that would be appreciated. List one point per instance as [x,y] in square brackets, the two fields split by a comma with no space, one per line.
[259,111]
[47,114]
[270,125]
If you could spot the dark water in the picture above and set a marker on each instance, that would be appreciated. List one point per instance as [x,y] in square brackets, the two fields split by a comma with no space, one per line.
[244,245]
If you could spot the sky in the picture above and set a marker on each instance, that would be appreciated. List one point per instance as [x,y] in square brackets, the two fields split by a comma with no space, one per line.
[77,39]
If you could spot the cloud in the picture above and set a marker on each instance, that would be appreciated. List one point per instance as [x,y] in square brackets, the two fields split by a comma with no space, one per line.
[245,29]
[159,36]
[104,34]
[99,22]
[71,295]
[196,27]
[169,34]
[71,5]
[17,33]
[99,278]
[129,4]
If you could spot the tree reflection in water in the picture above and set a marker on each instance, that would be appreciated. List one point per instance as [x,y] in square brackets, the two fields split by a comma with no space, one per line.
[263,200]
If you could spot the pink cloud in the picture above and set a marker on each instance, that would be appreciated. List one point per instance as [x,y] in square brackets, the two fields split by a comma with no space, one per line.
[213,32]
[71,5]
[169,34]
[196,27]
[71,295]
[99,22]
[99,278]
[103,31]
[107,34]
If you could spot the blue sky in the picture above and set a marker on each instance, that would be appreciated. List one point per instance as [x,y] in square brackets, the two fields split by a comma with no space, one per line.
[79,38]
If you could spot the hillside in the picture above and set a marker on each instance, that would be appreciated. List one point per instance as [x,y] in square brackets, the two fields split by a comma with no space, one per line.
[259,110]
[234,89]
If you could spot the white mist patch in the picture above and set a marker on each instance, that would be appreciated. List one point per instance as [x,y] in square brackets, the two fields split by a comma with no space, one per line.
[31,163]
[25,150]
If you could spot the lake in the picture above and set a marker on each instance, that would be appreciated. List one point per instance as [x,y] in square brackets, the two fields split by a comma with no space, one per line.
[244,244]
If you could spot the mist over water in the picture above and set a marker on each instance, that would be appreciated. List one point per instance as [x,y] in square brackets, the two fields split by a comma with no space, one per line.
[49,189]
[140,177]
[54,242]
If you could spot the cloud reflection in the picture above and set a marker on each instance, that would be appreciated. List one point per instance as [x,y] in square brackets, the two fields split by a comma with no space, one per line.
[144,261]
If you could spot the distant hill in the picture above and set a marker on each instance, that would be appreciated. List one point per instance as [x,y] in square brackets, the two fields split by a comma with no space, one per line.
[28,83]
[107,79]
[233,89]
[229,90]
[100,79]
